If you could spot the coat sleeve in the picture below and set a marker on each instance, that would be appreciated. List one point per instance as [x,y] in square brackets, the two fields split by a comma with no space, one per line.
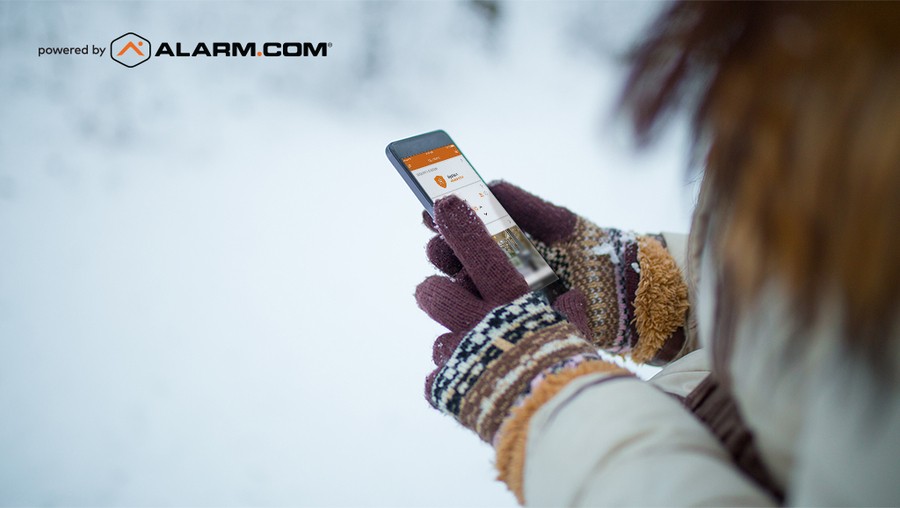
[622,441]
[847,453]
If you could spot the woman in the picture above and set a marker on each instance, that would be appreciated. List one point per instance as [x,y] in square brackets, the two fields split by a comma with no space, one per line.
[777,321]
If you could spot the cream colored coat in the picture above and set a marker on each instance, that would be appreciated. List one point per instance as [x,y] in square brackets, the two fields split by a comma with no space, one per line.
[824,432]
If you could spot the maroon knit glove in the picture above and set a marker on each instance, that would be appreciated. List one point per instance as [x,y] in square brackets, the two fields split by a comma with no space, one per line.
[627,294]
[502,336]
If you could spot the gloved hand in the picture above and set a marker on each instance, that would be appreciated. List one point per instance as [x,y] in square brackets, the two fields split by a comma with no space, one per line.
[627,295]
[502,336]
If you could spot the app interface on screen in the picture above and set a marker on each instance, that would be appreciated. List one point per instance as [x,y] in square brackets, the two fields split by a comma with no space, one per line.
[444,171]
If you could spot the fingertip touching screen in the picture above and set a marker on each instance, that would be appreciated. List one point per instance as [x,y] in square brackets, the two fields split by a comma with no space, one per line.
[444,171]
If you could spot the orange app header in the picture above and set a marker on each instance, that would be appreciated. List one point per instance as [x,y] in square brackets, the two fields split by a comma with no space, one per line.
[430,157]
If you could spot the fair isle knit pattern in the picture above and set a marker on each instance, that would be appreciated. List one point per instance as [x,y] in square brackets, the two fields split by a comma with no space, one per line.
[568,363]
[615,249]
[486,405]
[596,261]
[497,332]
[494,362]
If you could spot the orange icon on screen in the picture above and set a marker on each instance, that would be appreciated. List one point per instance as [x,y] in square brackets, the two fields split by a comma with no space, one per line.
[440,181]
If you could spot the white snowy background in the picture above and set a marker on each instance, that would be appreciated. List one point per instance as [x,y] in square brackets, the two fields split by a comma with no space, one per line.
[207,265]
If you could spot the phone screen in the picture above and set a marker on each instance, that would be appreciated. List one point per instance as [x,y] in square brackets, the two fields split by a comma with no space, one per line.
[444,171]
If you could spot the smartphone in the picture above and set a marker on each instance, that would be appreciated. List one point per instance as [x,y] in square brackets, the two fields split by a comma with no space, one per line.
[434,167]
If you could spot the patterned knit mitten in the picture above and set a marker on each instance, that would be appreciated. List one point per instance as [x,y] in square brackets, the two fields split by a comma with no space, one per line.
[627,294]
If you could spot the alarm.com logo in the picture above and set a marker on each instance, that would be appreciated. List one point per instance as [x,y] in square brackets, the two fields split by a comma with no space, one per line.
[130,49]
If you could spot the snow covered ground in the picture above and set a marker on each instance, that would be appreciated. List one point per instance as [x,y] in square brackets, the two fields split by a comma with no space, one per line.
[207,265]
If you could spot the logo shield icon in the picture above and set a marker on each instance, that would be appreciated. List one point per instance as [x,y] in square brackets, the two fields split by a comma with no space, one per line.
[130,49]
[440,181]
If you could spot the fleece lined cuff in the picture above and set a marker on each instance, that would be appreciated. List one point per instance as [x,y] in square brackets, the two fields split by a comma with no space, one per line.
[635,295]
[660,303]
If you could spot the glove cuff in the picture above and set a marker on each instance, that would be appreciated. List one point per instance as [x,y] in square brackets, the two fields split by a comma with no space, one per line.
[660,304]
[635,296]
[495,362]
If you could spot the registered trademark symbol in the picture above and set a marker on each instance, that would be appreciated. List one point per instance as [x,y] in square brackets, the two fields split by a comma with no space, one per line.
[329,44]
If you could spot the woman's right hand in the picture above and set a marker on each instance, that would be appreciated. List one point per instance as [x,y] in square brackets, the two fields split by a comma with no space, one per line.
[625,291]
